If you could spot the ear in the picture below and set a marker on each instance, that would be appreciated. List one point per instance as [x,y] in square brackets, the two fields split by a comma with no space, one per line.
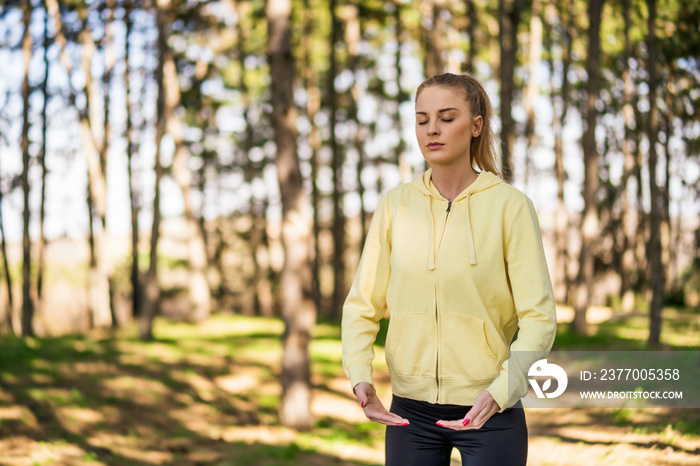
[478,126]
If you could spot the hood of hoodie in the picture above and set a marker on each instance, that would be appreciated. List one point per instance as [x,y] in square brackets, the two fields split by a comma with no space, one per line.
[484,181]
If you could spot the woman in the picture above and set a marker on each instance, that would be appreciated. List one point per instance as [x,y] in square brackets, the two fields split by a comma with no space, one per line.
[456,258]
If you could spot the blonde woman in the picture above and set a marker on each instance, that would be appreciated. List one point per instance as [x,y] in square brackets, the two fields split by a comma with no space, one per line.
[456,257]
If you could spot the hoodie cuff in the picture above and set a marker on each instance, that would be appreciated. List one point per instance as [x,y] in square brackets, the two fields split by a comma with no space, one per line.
[358,373]
[499,391]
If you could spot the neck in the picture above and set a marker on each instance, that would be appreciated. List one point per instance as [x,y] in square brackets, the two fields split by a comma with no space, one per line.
[450,182]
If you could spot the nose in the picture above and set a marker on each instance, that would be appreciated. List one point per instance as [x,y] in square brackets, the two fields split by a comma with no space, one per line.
[433,127]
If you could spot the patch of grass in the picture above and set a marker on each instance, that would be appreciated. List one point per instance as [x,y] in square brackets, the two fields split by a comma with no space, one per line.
[686,426]
[622,416]
[334,431]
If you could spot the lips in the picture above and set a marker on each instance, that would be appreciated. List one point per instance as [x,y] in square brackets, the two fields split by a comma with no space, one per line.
[434,145]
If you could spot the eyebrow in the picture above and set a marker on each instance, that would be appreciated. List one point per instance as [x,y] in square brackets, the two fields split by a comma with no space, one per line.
[439,111]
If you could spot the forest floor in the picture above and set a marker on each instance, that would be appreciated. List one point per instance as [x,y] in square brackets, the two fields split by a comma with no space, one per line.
[209,393]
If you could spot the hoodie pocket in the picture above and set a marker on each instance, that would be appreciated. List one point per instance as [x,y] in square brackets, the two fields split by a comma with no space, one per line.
[410,344]
[466,352]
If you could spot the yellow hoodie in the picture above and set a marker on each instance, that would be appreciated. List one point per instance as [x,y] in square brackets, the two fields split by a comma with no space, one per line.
[458,278]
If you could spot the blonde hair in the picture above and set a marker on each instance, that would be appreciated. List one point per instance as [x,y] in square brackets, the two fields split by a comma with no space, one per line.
[483,147]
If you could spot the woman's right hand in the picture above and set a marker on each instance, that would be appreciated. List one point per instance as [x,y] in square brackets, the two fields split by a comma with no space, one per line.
[373,407]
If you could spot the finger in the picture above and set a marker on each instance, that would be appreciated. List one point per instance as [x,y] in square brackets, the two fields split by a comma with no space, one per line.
[470,416]
[363,399]
[480,418]
[454,425]
[365,394]
[387,418]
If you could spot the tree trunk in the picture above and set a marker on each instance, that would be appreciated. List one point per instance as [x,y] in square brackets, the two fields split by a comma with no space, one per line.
[656,272]
[199,291]
[27,304]
[353,36]
[42,161]
[313,106]
[93,274]
[641,236]
[151,288]
[338,228]
[560,110]
[400,147]
[109,61]
[589,217]
[434,38]
[97,181]
[130,151]
[298,311]
[628,268]
[532,89]
[6,269]
[471,27]
[509,18]
[670,248]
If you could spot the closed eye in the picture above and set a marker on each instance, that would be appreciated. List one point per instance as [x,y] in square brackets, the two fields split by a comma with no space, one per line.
[446,120]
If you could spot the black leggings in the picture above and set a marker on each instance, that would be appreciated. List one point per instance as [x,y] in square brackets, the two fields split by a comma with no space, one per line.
[501,441]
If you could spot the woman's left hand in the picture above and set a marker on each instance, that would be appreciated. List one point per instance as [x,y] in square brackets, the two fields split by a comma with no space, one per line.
[484,407]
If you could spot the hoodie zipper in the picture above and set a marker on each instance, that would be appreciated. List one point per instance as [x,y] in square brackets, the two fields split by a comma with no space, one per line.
[437,314]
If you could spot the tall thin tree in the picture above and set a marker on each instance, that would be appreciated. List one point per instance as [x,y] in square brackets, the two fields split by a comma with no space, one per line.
[298,310]
[589,217]
[42,160]
[27,304]
[130,153]
[338,159]
[313,106]
[560,106]
[199,293]
[6,269]
[532,88]
[472,20]
[151,286]
[97,181]
[508,20]
[656,270]
[627,262]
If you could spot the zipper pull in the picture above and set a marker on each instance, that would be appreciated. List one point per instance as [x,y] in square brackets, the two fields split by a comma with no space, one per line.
[449,206]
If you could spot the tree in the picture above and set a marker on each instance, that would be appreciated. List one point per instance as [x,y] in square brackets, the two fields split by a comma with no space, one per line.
[99,291]
[151,287]
[199,294]
[298,311]
[656,275]
[44,127]
[508,20]
[27,304]
[532,89]
[560,106]
[6,269]
[130,152]
[589,225]
[338,159]
[433,38]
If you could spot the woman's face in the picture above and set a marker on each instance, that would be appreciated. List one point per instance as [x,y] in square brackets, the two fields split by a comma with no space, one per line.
[445,126]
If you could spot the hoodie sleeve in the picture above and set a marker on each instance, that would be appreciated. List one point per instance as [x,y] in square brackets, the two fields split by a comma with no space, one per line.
[533,298]
[366,301]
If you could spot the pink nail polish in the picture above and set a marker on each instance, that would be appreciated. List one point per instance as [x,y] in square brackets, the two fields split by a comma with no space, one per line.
[439,424]
[465,422]
[362,404]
